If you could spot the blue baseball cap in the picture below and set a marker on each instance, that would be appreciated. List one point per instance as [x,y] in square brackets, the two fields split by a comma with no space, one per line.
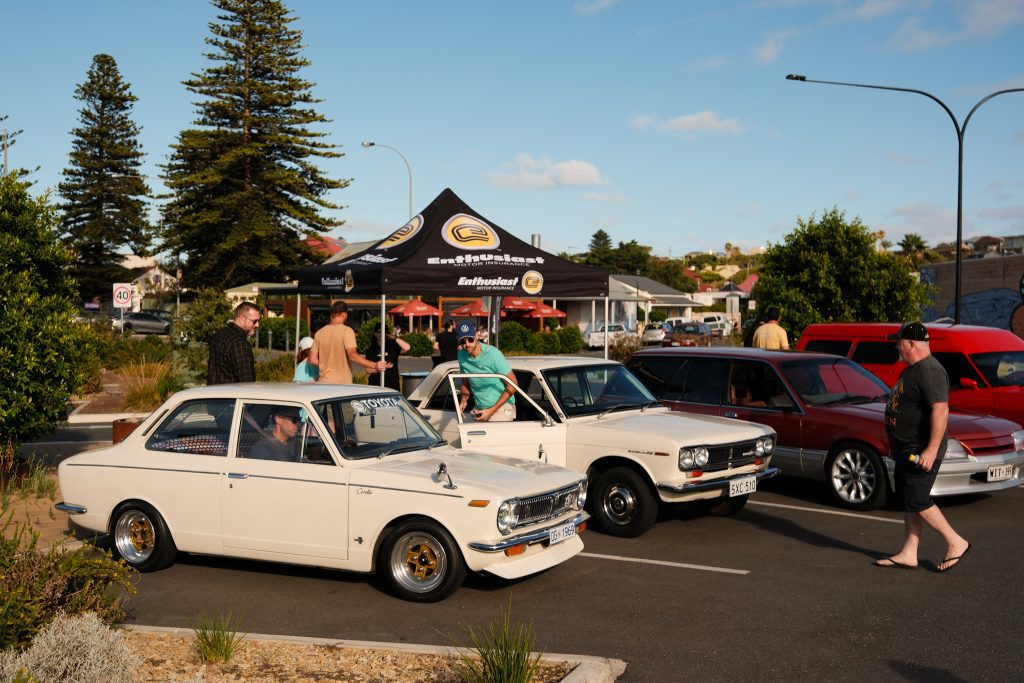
[465,329]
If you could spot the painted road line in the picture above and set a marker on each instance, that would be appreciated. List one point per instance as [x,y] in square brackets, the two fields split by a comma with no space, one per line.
[663,563]
[826,512]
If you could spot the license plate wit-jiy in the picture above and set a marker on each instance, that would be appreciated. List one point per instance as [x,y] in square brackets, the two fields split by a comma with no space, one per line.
[561,533]
[742,486]
[1000,472]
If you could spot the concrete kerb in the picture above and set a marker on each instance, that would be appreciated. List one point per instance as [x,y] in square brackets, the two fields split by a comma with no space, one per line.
[588,669]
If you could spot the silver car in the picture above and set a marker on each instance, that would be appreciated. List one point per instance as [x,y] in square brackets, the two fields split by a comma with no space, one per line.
[142,323]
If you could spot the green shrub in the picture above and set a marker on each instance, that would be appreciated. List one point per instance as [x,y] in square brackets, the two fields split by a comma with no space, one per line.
[543,344]
[500,653]
[38,585]
[513,337]
[217,638]
[77,648]
[658,316]
[419,344]
[570,339]
[280,369]
[281,329]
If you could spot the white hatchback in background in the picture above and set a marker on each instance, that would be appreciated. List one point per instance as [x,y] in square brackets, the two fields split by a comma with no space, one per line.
[362,483]
[653,333]
[720,325]
[595,338]
[594,416]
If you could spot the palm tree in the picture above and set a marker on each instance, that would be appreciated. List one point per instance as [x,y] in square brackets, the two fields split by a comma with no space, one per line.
[913,247]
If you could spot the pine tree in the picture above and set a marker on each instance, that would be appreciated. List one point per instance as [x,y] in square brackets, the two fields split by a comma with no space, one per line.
[600,252]
[245,188]
[104,193]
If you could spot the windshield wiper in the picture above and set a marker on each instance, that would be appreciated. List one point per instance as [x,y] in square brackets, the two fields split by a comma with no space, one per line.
[842,399]
[439,442]
[621,406]
[649,404]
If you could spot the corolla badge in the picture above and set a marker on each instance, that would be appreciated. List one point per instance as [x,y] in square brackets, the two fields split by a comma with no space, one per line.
[463,231]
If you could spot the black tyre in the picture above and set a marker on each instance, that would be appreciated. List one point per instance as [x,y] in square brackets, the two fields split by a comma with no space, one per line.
[127,327]
[723,507]
[857,477]
[622,503]
[141,538]
[420,561]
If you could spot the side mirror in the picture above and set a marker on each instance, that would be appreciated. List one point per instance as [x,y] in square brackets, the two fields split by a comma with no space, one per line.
[968,383]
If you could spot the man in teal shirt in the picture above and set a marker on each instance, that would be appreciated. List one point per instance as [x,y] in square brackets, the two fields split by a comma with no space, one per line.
[494,399]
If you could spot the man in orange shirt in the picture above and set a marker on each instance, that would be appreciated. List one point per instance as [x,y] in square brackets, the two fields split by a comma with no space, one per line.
[334,346]
[770,335]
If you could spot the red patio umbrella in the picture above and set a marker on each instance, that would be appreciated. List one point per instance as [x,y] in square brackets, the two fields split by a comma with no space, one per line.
[474,309]
[542,310]
[514,303]
[414,308]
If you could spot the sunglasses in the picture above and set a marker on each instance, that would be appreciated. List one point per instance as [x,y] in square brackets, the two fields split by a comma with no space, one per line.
[294,418]
[467,341]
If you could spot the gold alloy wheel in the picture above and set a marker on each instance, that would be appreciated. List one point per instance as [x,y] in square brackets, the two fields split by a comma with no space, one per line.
[419,562]
[134,536]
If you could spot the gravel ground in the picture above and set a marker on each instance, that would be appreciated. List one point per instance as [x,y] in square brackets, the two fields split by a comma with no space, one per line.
[170,657]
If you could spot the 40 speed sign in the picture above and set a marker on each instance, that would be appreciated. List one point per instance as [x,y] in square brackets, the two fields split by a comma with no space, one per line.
[122,295]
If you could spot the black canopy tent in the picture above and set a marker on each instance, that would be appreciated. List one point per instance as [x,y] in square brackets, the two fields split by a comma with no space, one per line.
[448,249]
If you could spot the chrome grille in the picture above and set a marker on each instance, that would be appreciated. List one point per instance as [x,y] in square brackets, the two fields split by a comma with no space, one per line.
[545,506]
[731,455]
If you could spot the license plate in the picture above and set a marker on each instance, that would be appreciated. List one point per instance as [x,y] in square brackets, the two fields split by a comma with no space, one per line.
[562,533]
[1000,472]
[742,486]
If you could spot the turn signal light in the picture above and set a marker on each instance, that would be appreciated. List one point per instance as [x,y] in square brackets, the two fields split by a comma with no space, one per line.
[479,503]
[516,550]
[581,528]
[759,461]
[694,474]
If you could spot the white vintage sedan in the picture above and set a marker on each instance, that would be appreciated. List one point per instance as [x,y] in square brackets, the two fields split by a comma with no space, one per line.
[339,476]
[594,416]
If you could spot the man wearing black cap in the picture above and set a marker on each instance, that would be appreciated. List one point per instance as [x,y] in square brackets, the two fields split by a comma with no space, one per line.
[915,424]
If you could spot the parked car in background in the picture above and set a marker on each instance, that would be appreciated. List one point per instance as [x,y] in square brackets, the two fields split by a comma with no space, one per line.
[362,483]
[142,323]
[688,334]
[653,333]
[828,413]
[720,325]
[160,313]
[595,338]
[594,416]
[985,364]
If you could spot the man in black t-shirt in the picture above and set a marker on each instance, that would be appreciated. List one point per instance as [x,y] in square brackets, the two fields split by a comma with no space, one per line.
[447,346]
[915,424]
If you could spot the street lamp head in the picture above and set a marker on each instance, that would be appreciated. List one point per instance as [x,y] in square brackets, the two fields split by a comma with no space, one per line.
[367,143]
[795,77]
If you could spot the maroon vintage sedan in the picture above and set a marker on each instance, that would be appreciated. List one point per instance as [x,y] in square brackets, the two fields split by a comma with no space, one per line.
[828,413]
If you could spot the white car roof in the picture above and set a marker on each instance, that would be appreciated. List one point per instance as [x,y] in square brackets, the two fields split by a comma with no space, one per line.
[538,363]
[286,391]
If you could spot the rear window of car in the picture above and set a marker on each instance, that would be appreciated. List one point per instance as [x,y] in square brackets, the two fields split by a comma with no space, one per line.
[656,373]
[877,353]
[837,347]
[196,427]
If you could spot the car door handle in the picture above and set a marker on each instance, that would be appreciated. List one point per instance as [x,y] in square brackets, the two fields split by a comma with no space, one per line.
[732,414]
[476,433]
[237,475]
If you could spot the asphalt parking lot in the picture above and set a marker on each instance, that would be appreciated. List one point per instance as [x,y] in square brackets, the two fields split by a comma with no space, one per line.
[784,590]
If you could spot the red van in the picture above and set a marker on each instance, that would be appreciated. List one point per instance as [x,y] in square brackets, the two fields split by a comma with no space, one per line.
[985,365]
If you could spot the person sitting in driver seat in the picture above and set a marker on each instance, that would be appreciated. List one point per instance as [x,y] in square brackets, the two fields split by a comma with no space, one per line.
[280,443]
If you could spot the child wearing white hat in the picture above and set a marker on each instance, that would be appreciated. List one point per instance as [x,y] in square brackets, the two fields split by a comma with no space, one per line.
[304,371]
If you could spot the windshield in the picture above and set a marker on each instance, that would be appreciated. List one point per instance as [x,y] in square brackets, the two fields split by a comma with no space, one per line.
[1001,368]
[592,389]
[690,328]
[829,381]
[375,425]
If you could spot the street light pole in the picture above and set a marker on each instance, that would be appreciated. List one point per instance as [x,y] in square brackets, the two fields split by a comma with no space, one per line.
[368,144]
[960,130]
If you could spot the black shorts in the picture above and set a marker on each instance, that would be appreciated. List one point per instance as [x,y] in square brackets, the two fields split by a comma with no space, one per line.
[914,485]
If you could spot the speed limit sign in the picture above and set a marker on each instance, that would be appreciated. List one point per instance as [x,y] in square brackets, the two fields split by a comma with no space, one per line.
[122,295]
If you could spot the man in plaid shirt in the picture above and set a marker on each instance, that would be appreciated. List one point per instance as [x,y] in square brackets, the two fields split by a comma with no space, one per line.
[231,358]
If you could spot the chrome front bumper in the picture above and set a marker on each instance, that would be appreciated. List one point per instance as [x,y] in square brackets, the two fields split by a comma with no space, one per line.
[70,509]
[722,483]
[964,475]
[528,538]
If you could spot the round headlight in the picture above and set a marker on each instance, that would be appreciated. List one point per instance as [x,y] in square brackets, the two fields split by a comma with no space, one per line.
[507,513]
[759,447]
[769,445]
[581,495]
[685,458]
[700,457]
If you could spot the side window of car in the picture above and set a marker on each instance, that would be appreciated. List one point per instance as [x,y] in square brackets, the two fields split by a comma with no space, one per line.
[837,347]
[705,382]
[876,353]
[196,427]
[280,432]
[957,367]
[655,372]
[442,398]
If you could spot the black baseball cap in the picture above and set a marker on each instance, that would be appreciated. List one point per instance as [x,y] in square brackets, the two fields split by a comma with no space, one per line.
[911,332]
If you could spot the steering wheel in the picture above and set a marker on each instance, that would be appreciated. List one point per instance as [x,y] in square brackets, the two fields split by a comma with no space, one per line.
[571,401]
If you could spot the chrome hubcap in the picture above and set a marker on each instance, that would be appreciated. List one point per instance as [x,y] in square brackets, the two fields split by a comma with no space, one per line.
[853,476]
[134,537]
[619,504]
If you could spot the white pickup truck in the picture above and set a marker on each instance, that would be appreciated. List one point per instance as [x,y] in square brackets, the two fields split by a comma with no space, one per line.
[595,338]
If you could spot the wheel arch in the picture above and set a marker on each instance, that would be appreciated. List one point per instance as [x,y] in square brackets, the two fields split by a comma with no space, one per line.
[387,528]
[607,462]
[112,517]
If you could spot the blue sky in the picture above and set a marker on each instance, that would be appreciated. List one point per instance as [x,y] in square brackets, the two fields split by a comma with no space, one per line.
[668,122]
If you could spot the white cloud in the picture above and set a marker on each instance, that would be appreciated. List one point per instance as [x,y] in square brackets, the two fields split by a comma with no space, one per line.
[527,172]
[642,121]
[703,122]
[769,51]
[592,7]
[872,9]
[932,221]
[979,19]
[1006,214]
